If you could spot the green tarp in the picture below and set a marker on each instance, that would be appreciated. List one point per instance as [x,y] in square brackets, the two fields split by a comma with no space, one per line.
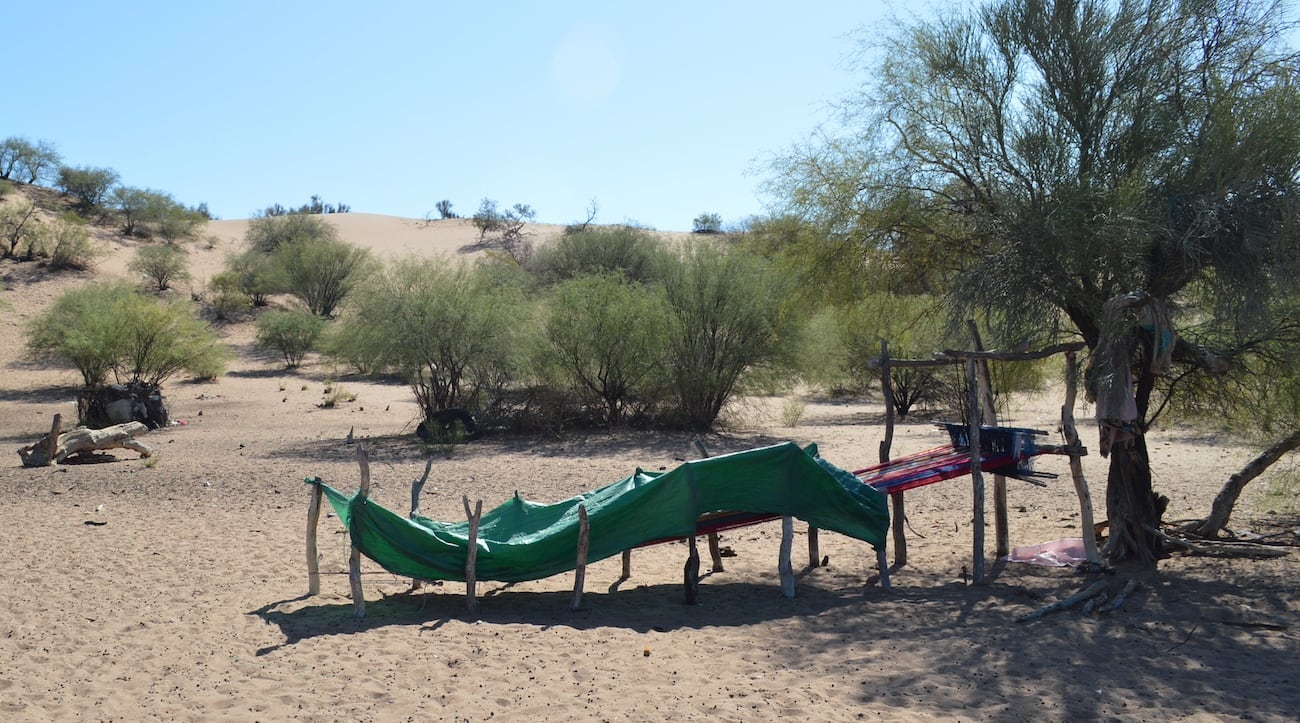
[522,540]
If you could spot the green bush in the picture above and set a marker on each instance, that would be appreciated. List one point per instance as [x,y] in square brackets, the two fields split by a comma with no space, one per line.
[731,313]
[89,185]
[609,337]
[321,272]
[107,327]
[162,265]
[266,234]
[291,333]
[449,331]
[67,244]
[229,301]
[257,275]
[632,252]
[18,226]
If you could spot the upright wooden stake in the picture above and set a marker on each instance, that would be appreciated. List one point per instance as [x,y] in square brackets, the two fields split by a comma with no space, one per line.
[1076,464]
[814,552]
[1001,527]
[627,564]
[691,573]
[354,560]
[471,554]
[882,562]
[52,442]
[417,486]
[715,547]
[899,520]
[976,473]
[783,566]
[580,569]
[313,560]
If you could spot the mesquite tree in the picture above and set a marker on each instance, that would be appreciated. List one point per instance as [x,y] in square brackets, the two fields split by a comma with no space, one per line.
[1120,170]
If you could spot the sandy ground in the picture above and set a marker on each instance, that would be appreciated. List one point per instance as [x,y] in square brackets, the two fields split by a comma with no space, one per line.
[175,588]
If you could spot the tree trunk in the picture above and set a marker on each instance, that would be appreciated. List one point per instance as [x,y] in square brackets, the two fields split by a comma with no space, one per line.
[1132,507]
[1213,525]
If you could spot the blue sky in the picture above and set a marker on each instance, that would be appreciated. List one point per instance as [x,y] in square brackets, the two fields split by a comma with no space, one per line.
[658,111]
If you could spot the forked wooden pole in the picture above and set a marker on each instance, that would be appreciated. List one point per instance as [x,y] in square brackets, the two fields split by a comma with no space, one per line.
[1071,433]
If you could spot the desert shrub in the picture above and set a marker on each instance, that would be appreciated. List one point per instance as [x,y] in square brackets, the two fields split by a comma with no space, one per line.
[707,223]
[161,265]
[18,226]
[67,244]
[730,314]
[291,333]
[89,185]
[792,409]
[22,159]
[608,336]
[632,252]
[229,301]
[442,326]
[257,275]
[107,327]
[321,272]
[914,328]
[268,233]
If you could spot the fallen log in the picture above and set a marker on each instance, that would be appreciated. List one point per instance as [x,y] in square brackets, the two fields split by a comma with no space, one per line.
[79,441]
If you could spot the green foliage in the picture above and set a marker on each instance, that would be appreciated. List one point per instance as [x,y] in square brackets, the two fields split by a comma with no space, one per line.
[107,327]
[27,161]
[266,234]
[731,313]
[444,327]
[89,185]
[488,219]
[314,206]
[67,244]
[633,253]
[444,210]
[707,223]
[229,300]
[162,265]
[257,275]
[291,333]
[321,273]
[608,336]
[19,226]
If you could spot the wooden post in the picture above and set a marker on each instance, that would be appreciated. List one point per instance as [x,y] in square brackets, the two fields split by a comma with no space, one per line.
[580,569]
[1001,526]
[691,573]
[417,487]
[313,560]
[976,473]
[354,560]
[471,553]
[715,548]
[814,552]
[52,442]
[899,520]
[882,561]
[783,566]
[1076,464]
[627,564]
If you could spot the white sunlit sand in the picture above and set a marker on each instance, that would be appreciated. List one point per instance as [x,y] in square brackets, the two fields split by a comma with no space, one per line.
[175,589]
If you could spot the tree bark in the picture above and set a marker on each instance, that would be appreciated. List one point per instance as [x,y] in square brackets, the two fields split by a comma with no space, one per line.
[47,452]
[1224,502]
[1132,507]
